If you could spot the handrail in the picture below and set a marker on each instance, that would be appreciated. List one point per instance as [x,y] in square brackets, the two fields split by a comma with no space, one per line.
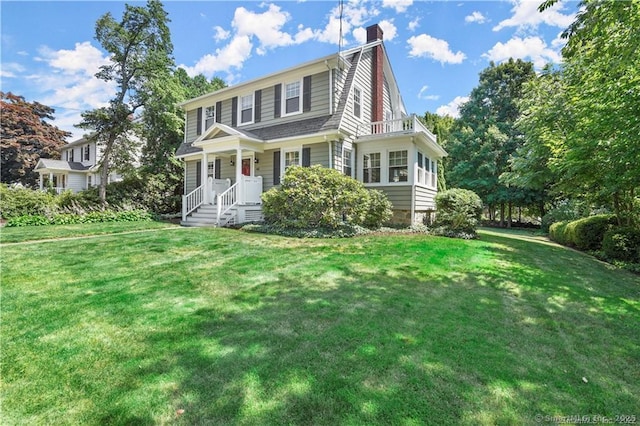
[410,124]
[226,201]
[191,201]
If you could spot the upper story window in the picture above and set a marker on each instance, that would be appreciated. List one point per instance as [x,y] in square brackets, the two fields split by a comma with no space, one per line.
[398,170]
[371,168]
[357,102]
[292,98]
[246,109]
[71,154]
[87,152]
[209,116]
[346,161]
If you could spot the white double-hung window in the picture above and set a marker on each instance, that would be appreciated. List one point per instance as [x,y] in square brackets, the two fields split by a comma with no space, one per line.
[398,169]
[292,98]
[371,168]
[209,116]
[246,109]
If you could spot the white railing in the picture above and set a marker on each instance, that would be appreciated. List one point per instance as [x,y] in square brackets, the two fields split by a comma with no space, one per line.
[226,201]
[251,192]
[191,201]
[410,124]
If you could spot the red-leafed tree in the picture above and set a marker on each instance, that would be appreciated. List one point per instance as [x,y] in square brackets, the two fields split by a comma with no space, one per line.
[25,137]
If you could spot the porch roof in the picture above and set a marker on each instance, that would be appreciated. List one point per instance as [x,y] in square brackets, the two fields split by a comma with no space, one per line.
[49,165]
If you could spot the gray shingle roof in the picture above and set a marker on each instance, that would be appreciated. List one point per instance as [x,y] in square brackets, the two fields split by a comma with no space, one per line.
[47,163]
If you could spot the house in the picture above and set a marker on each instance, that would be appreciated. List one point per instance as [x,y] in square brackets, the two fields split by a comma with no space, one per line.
[77,170]
[343,111]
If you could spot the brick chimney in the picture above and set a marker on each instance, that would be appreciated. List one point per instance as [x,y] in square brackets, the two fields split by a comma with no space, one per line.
[374,33]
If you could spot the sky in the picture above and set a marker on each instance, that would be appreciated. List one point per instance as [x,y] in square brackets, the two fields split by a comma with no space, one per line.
[437,48]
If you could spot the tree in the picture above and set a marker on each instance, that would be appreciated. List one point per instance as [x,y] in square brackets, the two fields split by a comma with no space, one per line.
[26,137]
[484,137]
[441,127]
[140,51]
[162,128]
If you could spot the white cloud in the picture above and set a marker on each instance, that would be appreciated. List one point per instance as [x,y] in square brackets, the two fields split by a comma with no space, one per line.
[11,70]
[413,25]
[389,29]
[231,56]
[452,108]
[354,14]
[360,35]
[221,33]
[532,48]
[526,16]
[399,5]
[422,94]
[476,17]
[84,59]
[429,47]
[266,27]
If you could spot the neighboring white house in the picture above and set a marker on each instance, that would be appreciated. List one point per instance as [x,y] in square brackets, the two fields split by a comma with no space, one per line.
[342,111]
[77,170]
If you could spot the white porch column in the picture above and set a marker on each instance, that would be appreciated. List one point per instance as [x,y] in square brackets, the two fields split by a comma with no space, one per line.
[41,182]
[239,172]
[51,179]
[205,179]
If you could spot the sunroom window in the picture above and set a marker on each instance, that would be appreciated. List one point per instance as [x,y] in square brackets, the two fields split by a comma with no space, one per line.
[398,170]
[371,168]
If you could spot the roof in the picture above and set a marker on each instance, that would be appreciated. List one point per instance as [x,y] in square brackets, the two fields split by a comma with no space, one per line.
[60,165]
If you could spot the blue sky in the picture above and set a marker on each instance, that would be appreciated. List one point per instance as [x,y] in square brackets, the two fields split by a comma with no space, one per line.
[437,49]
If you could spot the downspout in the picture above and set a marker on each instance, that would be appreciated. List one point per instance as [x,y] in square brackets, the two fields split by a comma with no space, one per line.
[330,87]
[330,152]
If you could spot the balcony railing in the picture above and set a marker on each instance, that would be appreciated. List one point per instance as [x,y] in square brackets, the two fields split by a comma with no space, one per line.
[410,124]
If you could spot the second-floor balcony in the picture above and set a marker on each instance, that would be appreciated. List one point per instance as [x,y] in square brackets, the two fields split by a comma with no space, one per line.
[406,125]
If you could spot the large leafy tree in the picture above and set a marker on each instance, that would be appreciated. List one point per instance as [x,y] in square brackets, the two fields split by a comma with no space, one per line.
[441,127]
[485,136]
[25,137]
[140,52]
[162,129]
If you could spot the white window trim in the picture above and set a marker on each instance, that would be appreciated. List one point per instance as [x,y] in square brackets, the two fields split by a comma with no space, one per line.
[353,102]
[430,174]
[283,106]
[283,157]
[204,117]
[253,109]
[350,151]
[383,156]
[388,166]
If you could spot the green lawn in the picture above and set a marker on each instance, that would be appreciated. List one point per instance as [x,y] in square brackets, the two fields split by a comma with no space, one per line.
[216,326]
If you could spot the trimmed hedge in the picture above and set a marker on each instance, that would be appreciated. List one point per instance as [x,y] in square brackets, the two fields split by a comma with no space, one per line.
[622,244]
[71,218]
[558,233]
[585,234]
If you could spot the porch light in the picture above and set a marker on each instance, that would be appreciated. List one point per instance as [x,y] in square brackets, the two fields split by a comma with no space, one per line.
[256,160]
[232,163]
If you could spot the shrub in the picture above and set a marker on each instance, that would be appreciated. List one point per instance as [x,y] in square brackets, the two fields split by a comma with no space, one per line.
[15,202]
[566,211]
[622,244]
[558,233]
[379,210]
[587,233]
[317,197]
[72,218]
[28,220]
[458,211]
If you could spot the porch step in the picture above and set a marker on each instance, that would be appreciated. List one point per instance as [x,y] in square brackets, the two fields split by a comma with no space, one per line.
[207,215]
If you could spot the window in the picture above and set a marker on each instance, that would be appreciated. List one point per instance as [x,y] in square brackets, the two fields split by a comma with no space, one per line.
[246,109]
[211,169]
[71,154]
[357,102]
[291,158]
[371,168]
[292,98]
[346,161]
[87,152]
[398,171]
[209,116]
[88,181]
[434,173]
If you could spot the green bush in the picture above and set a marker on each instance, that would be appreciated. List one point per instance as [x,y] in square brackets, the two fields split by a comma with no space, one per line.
[18,201]
[558,233]
[379,210]
[317,197]
[458,211]
[622,244]
[587,233]
[72,218]
[566,211]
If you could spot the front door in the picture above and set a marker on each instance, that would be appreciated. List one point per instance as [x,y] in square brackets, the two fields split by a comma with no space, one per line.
[246,166]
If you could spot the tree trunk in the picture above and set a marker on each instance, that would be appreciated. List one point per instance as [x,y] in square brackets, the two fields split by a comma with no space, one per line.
[105,168]
[502,215]
[509,218]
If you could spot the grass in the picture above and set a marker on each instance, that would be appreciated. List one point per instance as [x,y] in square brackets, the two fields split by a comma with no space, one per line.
[214,326]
